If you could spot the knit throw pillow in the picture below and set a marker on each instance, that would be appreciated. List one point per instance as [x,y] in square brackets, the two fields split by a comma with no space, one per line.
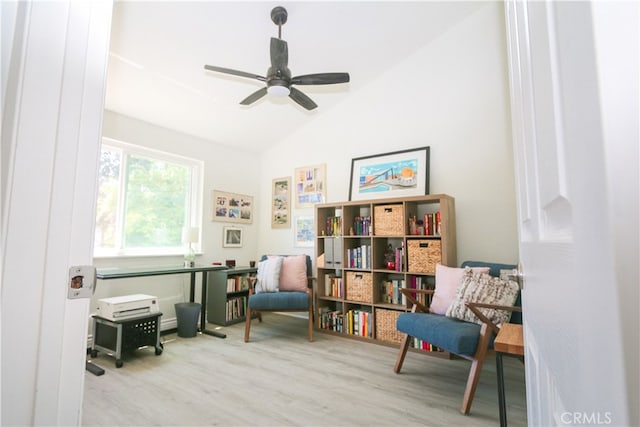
[447,281]
[483,288]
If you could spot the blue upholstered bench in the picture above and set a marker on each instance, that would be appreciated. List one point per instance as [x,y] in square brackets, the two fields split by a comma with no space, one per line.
[467,340]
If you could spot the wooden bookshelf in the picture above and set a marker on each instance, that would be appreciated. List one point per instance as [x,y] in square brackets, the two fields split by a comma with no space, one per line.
[366,249]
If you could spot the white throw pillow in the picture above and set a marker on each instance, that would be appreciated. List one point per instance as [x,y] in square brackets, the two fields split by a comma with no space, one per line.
[269,275]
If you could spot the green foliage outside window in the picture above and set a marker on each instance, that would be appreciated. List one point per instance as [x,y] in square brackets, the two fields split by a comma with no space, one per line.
[143,202]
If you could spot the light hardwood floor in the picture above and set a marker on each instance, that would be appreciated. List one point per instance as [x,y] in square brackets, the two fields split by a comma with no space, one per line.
[279,378]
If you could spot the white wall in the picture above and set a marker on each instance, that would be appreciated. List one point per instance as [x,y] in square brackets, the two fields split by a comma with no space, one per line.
[225,169]
[452,95]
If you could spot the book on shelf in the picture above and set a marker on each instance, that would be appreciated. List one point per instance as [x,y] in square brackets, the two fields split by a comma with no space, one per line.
[432,224]
[390,291]
[333,286]
[237,283]
[236,308]
[359,257]
[333,226]
[362,226]
[359,323]
[331,320]
[423,345]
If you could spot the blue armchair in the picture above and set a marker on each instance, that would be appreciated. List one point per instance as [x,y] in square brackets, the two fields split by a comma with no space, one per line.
[284,300]
[470,341]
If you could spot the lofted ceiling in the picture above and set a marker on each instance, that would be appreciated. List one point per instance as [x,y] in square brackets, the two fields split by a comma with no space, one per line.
[158,50]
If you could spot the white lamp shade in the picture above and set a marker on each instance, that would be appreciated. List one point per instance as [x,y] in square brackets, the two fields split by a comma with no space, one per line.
[190,234]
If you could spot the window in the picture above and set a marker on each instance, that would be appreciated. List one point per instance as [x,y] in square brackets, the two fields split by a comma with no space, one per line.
[145,197]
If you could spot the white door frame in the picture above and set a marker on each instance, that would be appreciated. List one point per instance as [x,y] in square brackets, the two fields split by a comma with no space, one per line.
[51,129]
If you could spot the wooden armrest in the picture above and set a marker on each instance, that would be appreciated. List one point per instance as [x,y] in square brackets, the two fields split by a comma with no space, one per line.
[494,306]
[417,305]
[476,306]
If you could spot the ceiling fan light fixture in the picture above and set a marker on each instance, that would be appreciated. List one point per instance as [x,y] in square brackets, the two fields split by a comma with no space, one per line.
[279,81]
[278,90]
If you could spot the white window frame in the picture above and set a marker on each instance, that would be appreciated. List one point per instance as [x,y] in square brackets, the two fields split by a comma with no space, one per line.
[195,201]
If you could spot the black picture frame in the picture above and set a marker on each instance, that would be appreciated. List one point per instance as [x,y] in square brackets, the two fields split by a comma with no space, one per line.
[395,174]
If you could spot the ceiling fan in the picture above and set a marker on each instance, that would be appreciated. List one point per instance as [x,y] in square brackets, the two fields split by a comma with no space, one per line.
[278,80]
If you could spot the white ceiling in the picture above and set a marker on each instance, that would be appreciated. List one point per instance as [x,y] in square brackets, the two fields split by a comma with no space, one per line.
[158,50]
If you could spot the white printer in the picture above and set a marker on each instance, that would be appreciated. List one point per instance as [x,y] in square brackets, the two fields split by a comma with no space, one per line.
[118,308]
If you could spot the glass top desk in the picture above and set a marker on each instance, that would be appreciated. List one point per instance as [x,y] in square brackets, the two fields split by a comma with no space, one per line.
[107,273]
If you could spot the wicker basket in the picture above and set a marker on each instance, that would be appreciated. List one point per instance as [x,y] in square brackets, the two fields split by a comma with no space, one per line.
[424,255]
[359,287]
[388,220]
[386,326]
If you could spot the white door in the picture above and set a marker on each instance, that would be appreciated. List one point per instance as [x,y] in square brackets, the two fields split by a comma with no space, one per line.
[576,150]
[53,101]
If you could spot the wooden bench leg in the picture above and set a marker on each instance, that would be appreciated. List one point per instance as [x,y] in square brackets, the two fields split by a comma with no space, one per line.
[476,368]
[404,346]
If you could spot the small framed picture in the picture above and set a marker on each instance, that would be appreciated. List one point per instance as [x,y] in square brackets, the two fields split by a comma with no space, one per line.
[232,237]
[281,203]
[309,185]
[304,234]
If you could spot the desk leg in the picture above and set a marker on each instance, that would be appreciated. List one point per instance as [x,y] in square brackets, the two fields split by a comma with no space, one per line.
[192,289]
[94,369]
[203,311]
[501,398]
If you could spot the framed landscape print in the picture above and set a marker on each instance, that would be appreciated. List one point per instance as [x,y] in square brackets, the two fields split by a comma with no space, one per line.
[310,185]
[231,207]
[396,174]
[281,203]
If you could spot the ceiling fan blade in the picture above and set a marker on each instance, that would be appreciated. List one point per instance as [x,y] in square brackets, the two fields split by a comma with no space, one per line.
[279,53]
[302,99]
[235,72]
[254,96]
[321,79]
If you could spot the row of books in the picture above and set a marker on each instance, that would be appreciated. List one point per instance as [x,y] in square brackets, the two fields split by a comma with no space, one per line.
[390,292]
[333,286]
[419,282]
[236,308]
[423,345]
[333,226]
[237,283]
[389,289]
[354,322]
[359,322]
[359,257]
[432,224]
[362,226]
[331,320]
